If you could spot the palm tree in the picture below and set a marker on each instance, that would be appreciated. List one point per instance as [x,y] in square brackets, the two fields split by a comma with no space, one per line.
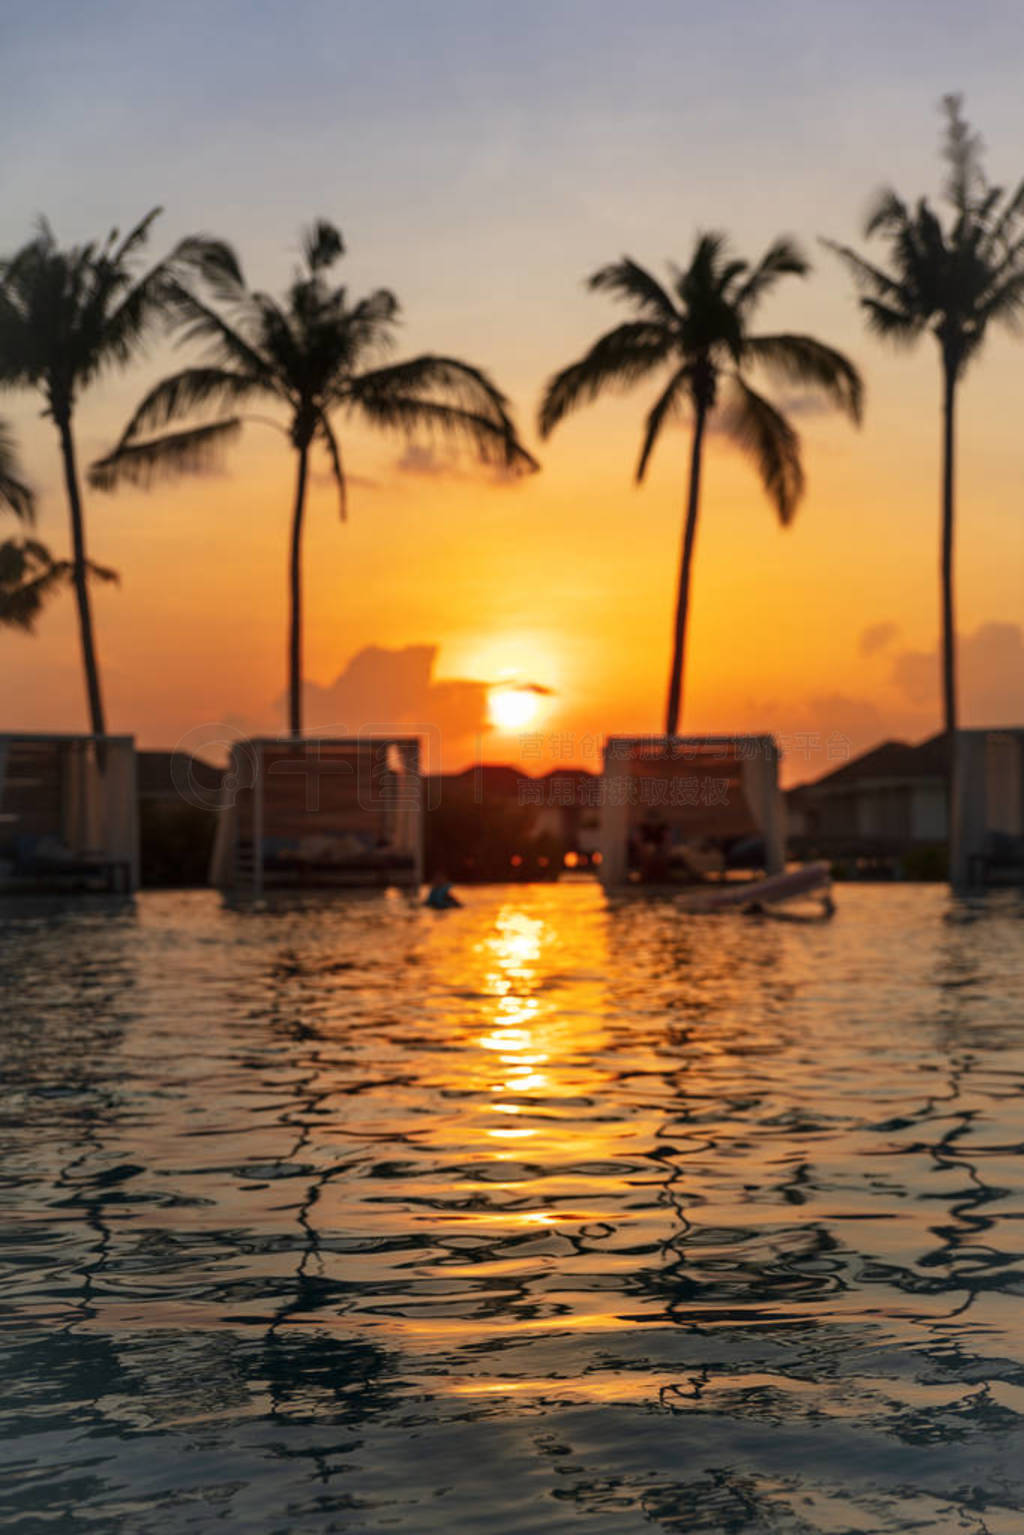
[67,316]
[314,355]
[697,330]
[952,281]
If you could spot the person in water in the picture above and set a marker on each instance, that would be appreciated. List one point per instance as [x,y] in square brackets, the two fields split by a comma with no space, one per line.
[440,896]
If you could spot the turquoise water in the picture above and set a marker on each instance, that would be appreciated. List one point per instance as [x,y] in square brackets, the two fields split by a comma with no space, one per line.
[542,1215]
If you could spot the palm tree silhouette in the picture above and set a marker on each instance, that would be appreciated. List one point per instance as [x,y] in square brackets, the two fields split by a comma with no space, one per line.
[697,329]
[67,316]
[315,354]
[953,282]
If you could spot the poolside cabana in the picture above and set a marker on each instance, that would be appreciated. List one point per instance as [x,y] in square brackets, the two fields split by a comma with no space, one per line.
[987,834]
[674,810]
[67,814]
[320,814]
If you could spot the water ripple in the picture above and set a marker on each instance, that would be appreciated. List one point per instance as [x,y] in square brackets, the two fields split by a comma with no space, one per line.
[557,1214]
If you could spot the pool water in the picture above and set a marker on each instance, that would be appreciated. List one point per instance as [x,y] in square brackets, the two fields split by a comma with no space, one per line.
[547,1214]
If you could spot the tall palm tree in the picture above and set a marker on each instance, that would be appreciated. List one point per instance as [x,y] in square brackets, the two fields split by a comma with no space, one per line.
[953,281]
[315,355]
[67,316]
[696,329]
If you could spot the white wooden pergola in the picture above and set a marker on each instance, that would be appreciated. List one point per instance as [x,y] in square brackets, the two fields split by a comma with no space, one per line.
[68,815]
[696,788]
[320,813]
[987,822]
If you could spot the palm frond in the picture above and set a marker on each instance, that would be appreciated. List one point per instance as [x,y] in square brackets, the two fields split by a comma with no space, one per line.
[617,360]
[113,336]
[366,330]
[763,432]
[194,451]
[134,239]
[93,571]
[280,340]
[783,258]
[667,404]
[868,278]
[185,393]
[409,414]
[1003,303]
[337,467]
[212,260]
[1000,266]
[29,576]
[378,308]
[457,383]
[1000,232]
[710,252]
[14,493]
[113,310]
[890,323]
[961,150]
[322,245]
[627,279]
[227,343]
[805,361]
[886,212]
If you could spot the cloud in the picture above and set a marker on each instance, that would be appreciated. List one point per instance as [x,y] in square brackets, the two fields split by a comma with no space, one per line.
[429,462]
[990,685]
[877,637]
[819,733]
[805,405]
[990,681]
[325,477]
[801,407]
[524,687]
[382,689]
[419,458]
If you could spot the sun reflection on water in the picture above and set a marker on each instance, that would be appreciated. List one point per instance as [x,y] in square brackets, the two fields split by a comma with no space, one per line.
[513,953]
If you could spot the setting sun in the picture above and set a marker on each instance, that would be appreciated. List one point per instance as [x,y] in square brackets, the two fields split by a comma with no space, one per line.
[511,708]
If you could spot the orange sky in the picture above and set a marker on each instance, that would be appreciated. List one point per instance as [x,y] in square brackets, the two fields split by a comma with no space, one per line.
[566,580]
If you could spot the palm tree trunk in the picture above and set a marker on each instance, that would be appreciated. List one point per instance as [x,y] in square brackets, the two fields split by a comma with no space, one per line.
[675,686]
[81,577]
[295,591]
[948,616]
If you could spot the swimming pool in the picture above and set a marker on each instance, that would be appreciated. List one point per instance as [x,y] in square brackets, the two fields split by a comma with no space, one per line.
[546,1214]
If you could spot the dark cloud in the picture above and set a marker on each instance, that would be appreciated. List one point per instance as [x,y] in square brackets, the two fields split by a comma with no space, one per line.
[877,637]
[525,687]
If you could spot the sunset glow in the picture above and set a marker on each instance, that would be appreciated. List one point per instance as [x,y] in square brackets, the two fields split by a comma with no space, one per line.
[827,629]
[513,708]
